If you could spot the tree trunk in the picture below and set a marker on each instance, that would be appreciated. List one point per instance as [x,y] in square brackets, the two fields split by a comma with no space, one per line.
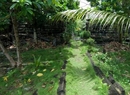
[120,35]
[35,30]
[15,28]
[7,55]
[35,35]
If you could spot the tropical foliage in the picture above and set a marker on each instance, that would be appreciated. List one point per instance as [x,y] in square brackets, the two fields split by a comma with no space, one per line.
[118,6]
[4,14]
[108,13]
[34,12]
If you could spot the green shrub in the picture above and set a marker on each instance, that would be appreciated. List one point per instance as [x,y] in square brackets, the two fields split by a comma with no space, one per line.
[66,37]
[84,34]
[90,41]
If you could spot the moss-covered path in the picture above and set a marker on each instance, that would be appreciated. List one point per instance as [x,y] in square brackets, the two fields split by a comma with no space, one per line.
[79,74]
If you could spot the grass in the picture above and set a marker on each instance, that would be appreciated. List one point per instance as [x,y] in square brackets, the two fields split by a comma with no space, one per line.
[116,64]
[42,75]
[26,81]
[120,67]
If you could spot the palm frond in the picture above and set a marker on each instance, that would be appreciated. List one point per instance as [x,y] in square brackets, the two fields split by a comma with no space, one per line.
[96,17]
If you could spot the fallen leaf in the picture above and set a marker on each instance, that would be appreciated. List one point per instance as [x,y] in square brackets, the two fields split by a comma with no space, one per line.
[44,70]
[29,80]
[50,88]
[43,86]
[52,70]
[5,78]
[39,74]
[33,72]
[20,85]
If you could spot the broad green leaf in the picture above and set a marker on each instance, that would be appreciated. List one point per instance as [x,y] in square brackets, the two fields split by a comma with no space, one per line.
[29,2]
[15,0]
[37,5]
[13,6]
[30,11]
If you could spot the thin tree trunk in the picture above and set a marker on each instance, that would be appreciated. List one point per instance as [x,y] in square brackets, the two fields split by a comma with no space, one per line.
[119,35]
[7,55]
[15,28]
[34,30]
[35,35]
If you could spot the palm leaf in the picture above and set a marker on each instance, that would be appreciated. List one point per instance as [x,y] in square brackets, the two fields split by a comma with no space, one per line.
[96,17]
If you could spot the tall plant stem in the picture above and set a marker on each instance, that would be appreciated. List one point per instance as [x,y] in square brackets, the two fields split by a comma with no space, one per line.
[15,28]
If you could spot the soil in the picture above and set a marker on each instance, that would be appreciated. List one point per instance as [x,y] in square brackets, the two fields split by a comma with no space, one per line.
[115,46]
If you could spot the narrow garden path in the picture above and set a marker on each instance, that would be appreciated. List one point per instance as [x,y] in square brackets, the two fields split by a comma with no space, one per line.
[78,78]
